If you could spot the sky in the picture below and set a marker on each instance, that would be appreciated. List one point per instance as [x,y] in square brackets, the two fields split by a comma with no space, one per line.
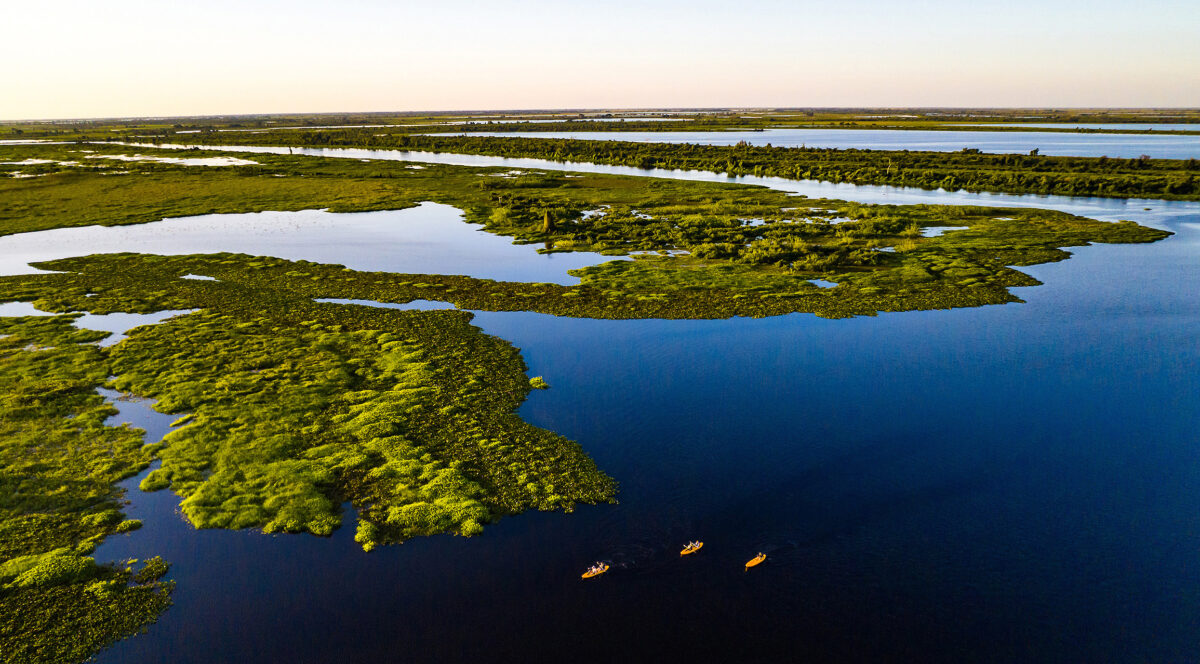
[77,59]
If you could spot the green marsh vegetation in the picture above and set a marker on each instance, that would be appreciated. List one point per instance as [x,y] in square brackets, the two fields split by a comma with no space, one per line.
[732,248]
[967,170]
[291,408]
[704,248]
[294,406]
[766,121]
[965,119]
[58,466]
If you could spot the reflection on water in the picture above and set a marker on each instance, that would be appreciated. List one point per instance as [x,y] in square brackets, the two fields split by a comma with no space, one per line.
[427,239]
[120,323]
[139,413]
[433,124]
[1124,146]
[1144,211]
[1008,483]
[21,309]
[1135,126]
[415,305]
[938,231]
[115,323]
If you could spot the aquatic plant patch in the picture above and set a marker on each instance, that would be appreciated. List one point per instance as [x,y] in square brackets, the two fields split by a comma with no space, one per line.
[296,406]
[58,467]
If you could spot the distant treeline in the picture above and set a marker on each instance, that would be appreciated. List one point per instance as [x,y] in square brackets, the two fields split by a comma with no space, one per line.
[968,170]
[764,124]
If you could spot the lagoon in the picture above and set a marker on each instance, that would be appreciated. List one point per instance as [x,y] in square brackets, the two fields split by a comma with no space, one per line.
[427,239]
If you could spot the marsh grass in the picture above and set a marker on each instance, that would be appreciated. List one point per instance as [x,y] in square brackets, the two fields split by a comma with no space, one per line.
[969,171]
[291,407]
[58,466]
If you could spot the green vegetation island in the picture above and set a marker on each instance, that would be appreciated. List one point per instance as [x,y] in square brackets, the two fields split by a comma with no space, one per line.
[671,119]
[967,170]
[290,407]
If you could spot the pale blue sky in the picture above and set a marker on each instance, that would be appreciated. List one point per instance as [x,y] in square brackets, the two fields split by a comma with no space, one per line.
[98,59]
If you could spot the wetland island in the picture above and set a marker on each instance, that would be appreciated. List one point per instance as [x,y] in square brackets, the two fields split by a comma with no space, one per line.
[306,391]
[799,383]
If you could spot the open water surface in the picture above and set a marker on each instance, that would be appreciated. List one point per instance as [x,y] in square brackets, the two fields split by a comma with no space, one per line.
[1131,126]
[432,125]
[116,324]
[1108,209]
[1010,483]
[1007,483]
[1125,146]
[428,239]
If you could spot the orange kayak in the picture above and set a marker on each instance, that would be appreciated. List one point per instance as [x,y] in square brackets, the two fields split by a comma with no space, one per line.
[595,571]
[690,549]
[756,560]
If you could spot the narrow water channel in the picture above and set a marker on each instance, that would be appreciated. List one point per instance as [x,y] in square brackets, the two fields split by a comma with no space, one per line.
[1062,144]
[1144,211]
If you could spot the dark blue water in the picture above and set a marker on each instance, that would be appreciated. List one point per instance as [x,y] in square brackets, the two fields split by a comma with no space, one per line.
[1124,146]
[1009,483]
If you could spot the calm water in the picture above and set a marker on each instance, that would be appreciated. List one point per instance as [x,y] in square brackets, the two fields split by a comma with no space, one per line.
[1108,209]
[255,130]
[1136,126]
[117,324]
[1011,483]
[1048,143]
[428,239]
[1008,483]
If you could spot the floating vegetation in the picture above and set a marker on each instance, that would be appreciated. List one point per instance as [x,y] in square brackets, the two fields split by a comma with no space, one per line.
[295,400]
[58,466]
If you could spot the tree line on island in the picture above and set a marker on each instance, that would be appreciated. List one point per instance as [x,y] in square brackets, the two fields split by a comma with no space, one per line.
[969,170]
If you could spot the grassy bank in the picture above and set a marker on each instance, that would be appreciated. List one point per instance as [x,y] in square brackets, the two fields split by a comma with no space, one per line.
[966,170]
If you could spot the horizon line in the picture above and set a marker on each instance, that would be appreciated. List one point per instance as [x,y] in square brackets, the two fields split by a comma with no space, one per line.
[646,109]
